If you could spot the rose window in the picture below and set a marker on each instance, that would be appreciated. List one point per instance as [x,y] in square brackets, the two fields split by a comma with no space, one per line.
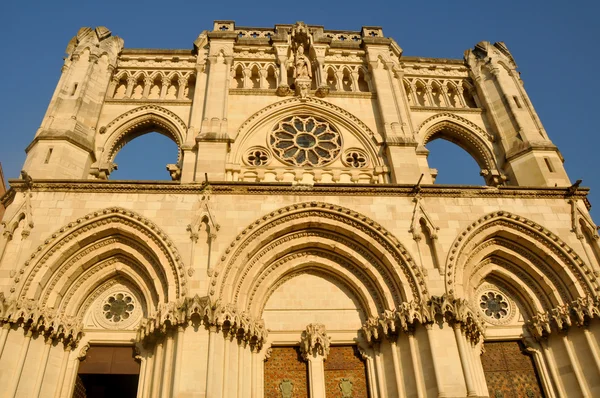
[305,141]
[494,305]
[118,307]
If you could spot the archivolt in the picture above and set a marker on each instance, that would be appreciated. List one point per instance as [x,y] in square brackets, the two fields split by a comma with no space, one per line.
[363,255]
[310,106]
[526,253]
[463,133]
[139,121]
[81,256]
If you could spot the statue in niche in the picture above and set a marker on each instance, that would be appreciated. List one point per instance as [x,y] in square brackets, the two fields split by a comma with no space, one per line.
[303,65]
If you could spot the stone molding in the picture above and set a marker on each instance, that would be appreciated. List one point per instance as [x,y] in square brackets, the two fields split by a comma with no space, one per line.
[98,220]
[261,188]
[508,221]
[32,317]
[194,311]
[408,315]
[579,313]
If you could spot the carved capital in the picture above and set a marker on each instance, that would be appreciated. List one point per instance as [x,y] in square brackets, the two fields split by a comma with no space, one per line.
[315,341]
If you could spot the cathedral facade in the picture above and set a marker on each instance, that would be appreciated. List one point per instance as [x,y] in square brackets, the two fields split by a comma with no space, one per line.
[302,248]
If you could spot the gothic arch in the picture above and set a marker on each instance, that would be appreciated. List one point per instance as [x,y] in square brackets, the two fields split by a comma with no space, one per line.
[317,236]
[463,133]
[85,254]
[140,121]
[524,255]
[271,114]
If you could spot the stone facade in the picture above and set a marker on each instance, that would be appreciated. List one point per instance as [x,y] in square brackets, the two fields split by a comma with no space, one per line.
[302,248]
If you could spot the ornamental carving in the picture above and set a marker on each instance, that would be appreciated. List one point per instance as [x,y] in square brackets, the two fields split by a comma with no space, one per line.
[543,237]
[314,341]
[453,310]
[352,219]
[202,311]
[578,312]
[305,141]
[29,315]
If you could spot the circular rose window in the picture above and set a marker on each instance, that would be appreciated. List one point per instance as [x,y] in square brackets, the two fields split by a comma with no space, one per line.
[494,305]
[118,307]
[305,141]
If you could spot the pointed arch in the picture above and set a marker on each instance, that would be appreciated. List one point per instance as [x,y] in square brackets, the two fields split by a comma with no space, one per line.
[140,121]
[323,237]
[524,254]
[463,133]
[273,113]
[86,253]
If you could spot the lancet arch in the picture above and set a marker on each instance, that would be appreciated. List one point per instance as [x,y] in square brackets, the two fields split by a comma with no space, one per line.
[268,116]
[524,255]
[91,251]
[321,237]
[463,133]
[137,122]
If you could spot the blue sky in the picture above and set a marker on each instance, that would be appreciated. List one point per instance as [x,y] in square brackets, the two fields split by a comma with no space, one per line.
[553,42]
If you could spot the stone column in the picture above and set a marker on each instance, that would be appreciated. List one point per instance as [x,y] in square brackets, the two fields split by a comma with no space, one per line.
[434,362]
[62,370]
[464,360]
[397,368]
[178,356]
[42,368]
[3,336]
[14,384]
[314,346]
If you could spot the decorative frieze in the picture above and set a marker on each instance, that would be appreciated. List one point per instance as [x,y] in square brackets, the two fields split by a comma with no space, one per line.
[201,310]
[408,315]
[578,312]
[29,315]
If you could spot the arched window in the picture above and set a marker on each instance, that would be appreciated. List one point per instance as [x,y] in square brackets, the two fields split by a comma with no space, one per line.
[453,98]
[145,158]
[156,87]
[255,77]
[271,78]
[331,79]
[346,80]
[173,88]
[363,86]
[238,77]
[138,88]
[469,100]
[121,88]
[189,89]
[421,94]
[436,94]
[454,164]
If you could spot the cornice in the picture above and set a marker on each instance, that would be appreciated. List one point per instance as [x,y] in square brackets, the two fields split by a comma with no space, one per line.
[285,188]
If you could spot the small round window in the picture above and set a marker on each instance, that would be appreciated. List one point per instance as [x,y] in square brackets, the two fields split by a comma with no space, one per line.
[118,307]
[305,141]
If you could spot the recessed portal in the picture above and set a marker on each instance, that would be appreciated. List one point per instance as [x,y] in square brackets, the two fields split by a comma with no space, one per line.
[108,371]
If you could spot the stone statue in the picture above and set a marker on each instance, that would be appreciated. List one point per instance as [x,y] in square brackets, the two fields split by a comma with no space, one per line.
[303,66]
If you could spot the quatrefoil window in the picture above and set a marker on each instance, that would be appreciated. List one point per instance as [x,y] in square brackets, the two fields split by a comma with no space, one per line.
[355,158]
[494,305]
[258,156]
[305,141]
[118,307]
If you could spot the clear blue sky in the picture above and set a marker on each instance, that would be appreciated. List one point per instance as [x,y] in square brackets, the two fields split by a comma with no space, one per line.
[553,42]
